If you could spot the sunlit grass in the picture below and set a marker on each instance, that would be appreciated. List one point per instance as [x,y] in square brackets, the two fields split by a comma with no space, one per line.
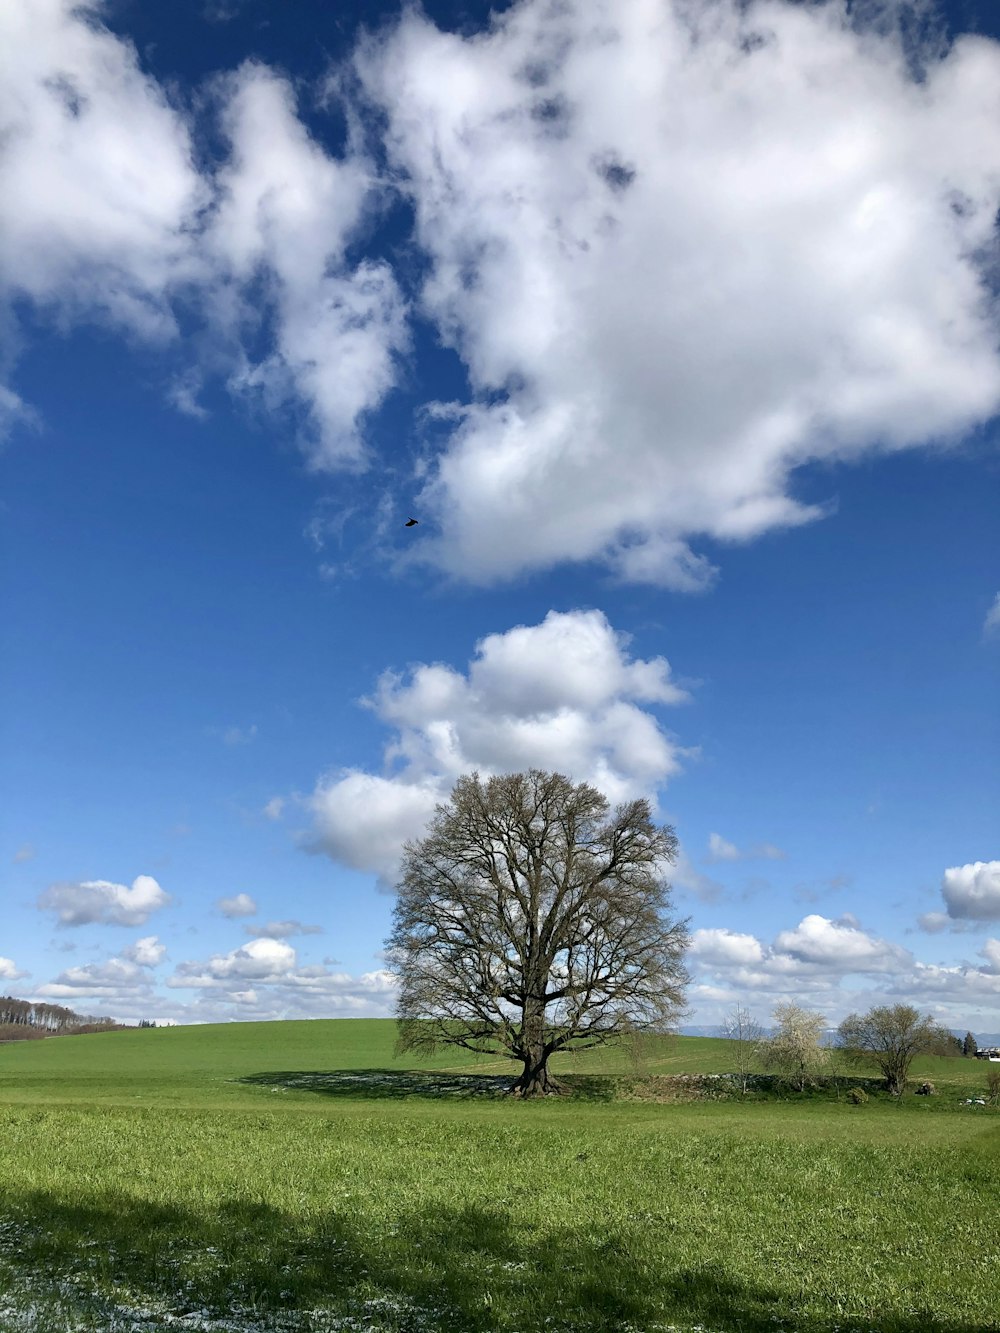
[157,1186]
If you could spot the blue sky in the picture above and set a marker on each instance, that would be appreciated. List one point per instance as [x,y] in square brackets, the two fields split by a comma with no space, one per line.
[679,338]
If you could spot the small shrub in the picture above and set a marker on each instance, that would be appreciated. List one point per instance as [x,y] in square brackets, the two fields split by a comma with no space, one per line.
[927,1090]
[858,1096]
[993,1086]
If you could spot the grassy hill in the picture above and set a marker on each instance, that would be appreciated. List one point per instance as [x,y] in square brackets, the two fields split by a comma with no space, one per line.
[299,1178]
[229,1064]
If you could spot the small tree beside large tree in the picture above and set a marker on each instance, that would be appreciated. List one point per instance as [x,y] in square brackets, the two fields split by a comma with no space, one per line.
[531,919]
[747,1037]
[890,1037]
[795,1047]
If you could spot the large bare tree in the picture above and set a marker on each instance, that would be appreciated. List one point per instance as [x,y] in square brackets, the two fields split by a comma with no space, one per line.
[533,919]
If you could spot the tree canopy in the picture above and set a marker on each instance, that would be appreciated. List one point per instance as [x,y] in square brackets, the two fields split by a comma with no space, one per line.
[532,918]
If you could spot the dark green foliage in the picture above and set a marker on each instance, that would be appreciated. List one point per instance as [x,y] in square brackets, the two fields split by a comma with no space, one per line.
[969,1045]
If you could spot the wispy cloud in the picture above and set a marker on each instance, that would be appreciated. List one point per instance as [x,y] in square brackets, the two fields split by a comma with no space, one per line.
[235,735]
[281,930]
[719,849]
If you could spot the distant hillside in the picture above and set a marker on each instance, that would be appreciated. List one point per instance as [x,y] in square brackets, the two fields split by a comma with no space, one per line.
[982,1038]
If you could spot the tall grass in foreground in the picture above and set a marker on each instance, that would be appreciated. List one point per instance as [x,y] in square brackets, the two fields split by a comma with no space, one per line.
[483,1217]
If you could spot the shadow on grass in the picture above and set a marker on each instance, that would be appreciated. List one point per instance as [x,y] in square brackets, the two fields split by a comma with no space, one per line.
[396,1084]
[446,1268]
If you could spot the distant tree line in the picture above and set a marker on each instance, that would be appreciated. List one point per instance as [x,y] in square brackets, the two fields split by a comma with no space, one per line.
[21,1020]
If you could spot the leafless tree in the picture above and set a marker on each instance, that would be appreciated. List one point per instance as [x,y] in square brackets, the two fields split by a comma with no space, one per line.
[534,919]
[747,1036]
[890,1037]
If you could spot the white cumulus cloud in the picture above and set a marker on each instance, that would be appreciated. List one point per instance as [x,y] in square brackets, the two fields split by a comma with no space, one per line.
[100,900]
[841,945]
[991,625]
[106,216]
[682,250]
[287,210]
[811,959]
[97,184]
[723,947]
[265,979]
[838,967]
[563,694]
[147,952]
[363,820]
[107,981]
[9,971]
[260,960]
[972,892]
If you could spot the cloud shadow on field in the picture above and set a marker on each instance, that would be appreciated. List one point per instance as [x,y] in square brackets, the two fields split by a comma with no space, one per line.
[397,1084]
[438,1268]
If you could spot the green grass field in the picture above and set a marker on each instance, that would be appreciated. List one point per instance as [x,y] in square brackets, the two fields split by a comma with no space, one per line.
[296,1176]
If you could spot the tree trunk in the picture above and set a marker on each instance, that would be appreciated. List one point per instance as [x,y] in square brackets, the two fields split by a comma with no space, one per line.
[535,1079]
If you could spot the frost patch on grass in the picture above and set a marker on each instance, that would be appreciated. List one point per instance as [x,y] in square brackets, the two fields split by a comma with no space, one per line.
[385,1083]
[68,1312]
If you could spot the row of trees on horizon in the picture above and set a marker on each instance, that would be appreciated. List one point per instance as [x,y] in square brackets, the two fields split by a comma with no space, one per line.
[21,1020]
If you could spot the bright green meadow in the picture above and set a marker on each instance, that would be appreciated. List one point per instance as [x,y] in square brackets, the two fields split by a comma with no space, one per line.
[298,1177]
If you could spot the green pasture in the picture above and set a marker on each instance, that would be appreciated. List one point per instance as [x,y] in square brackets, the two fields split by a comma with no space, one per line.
[296,1176]
[210,1065]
